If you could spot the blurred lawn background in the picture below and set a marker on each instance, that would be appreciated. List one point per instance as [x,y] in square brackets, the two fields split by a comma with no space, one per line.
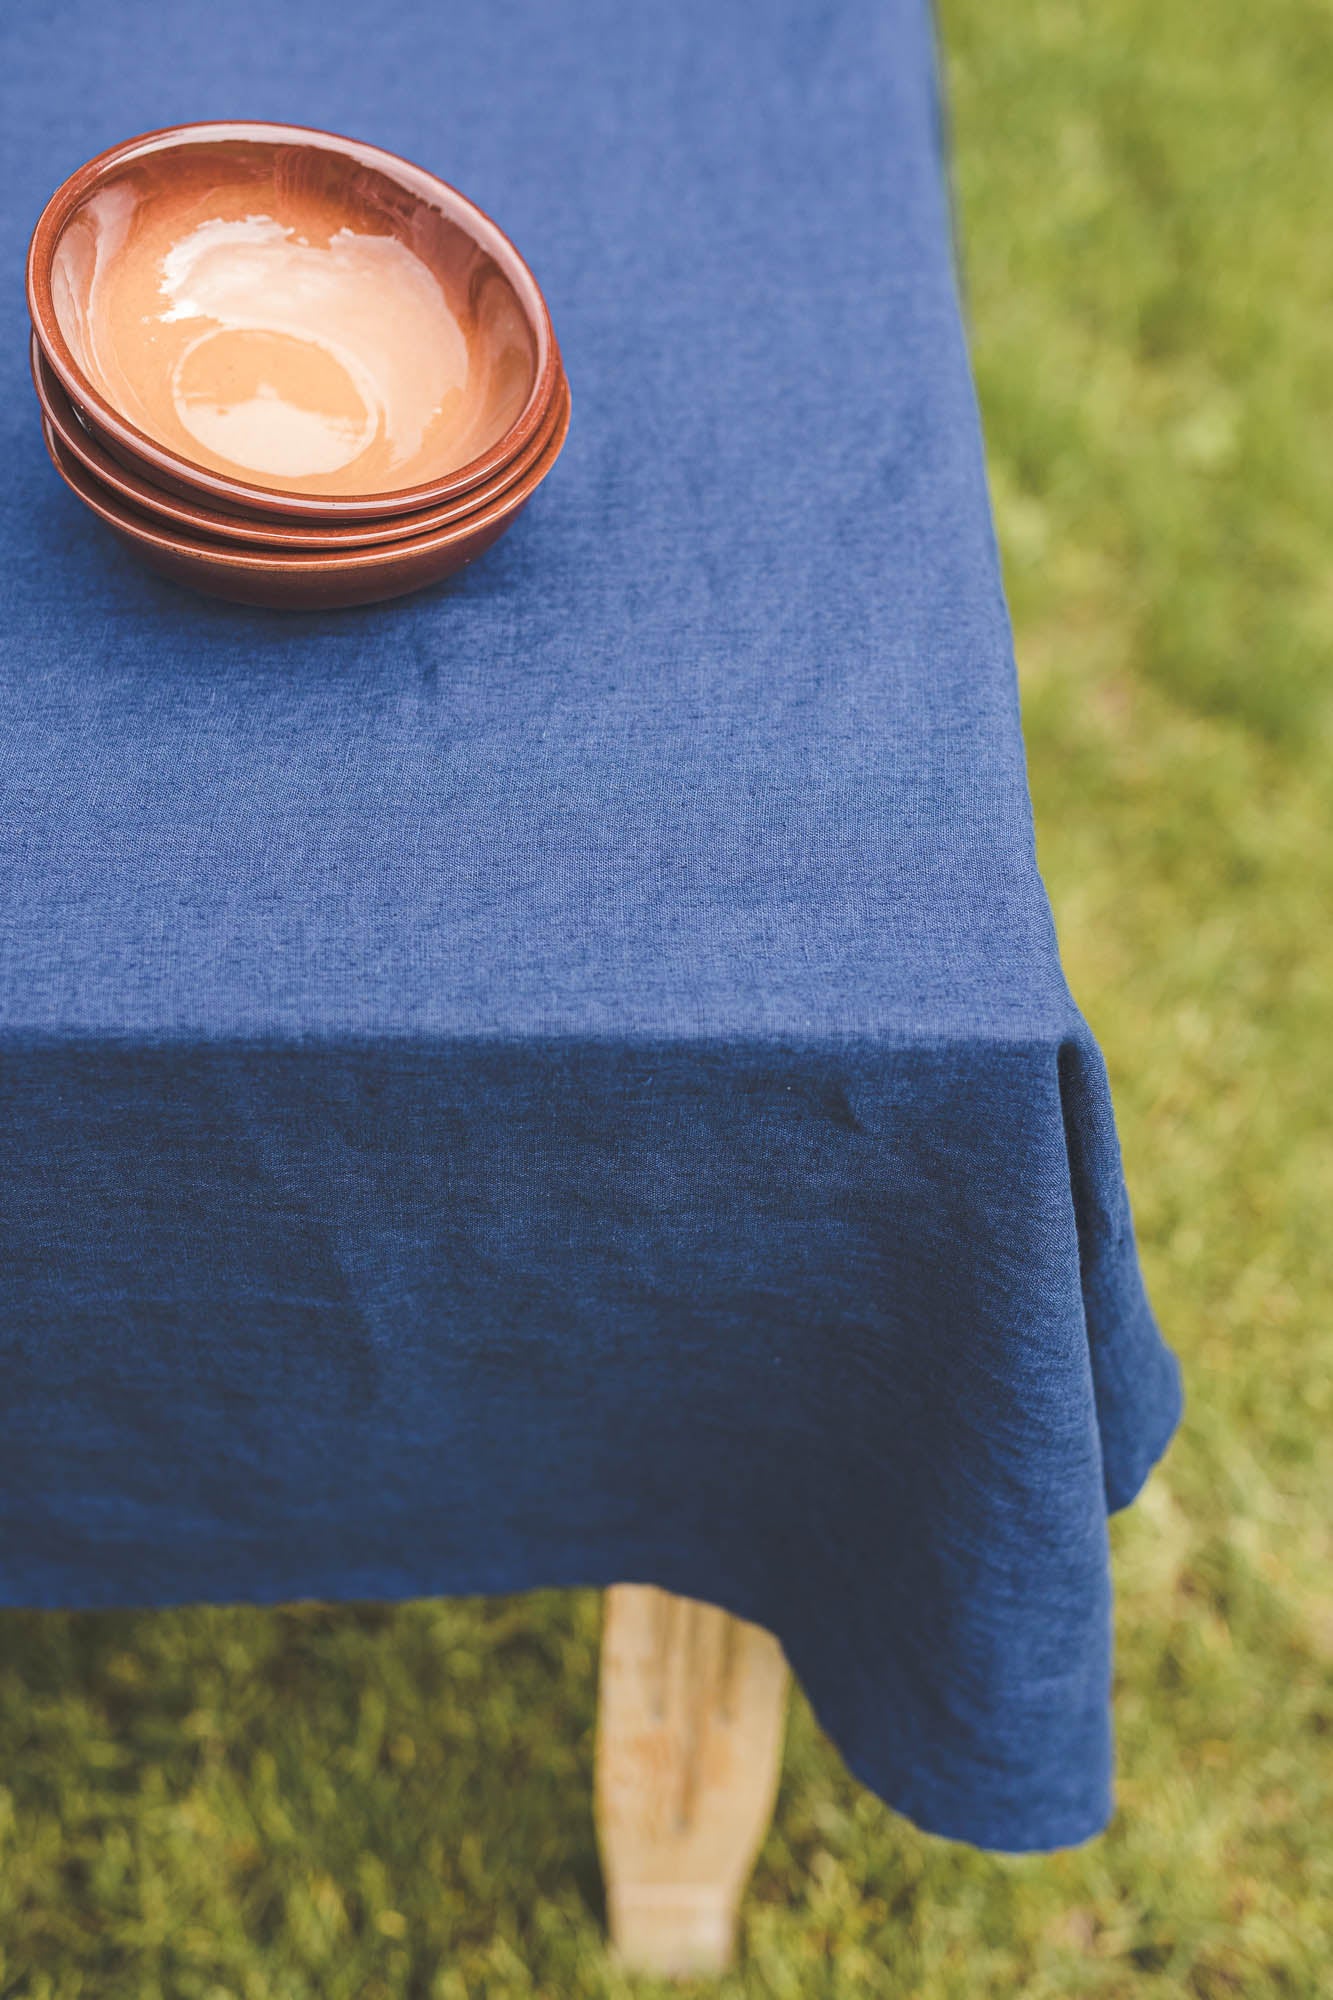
[350,1804]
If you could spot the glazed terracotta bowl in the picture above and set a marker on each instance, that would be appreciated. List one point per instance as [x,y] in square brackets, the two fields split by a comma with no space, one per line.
[292,579]
[256,530]
[277,322]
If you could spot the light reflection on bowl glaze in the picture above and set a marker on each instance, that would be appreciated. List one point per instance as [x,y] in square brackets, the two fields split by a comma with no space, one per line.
[278,318]
[257,530]
[286,579]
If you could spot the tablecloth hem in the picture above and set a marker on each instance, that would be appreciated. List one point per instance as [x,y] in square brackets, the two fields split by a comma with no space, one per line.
[946,1819]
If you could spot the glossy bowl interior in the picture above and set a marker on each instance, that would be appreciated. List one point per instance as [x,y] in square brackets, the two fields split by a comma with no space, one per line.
[295,578]
[277,320]
[264,531]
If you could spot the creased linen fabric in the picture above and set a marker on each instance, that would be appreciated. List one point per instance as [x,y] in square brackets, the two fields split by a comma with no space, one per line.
[568,1078]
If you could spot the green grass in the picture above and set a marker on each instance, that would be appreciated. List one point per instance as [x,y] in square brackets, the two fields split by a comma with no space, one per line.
[335,1803]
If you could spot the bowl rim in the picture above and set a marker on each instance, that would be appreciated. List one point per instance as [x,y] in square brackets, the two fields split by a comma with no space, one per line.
[268,499]
[137,491]
[141,528]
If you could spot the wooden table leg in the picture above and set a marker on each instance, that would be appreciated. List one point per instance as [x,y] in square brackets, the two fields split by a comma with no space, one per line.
[689,1748]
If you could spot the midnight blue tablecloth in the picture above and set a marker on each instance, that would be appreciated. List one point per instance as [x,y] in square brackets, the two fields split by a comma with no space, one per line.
[568,1078]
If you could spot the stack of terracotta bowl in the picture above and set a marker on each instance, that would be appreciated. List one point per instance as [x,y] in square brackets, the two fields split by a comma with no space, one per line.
[289,368]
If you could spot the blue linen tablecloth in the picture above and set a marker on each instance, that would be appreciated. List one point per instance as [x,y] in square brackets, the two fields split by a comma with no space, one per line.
[568,1078]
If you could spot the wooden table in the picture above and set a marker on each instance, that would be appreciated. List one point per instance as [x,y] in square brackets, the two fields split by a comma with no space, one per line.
[689,1749]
